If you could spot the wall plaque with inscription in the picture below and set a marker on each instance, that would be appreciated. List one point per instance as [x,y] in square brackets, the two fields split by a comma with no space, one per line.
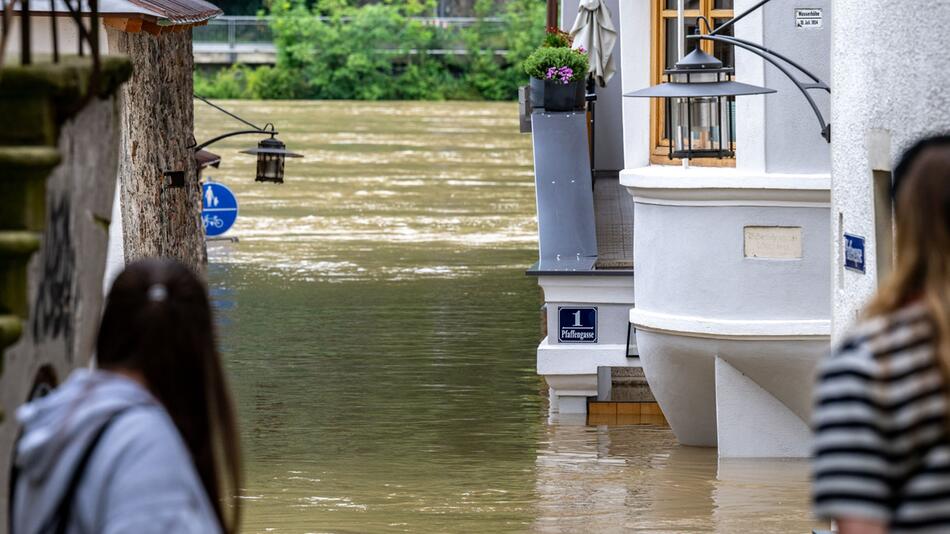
[773,242]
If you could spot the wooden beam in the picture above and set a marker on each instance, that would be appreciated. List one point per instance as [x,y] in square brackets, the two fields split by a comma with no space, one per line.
[124,24]
[553,14]
[151,28]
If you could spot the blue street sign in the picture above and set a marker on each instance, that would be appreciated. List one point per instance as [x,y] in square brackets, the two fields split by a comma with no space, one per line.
[577,325]
[219,208]
[854,252]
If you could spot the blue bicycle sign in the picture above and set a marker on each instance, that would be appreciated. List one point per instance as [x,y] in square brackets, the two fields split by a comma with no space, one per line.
[219,208]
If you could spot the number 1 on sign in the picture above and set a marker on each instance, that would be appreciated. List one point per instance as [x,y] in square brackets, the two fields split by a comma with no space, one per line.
[577,318]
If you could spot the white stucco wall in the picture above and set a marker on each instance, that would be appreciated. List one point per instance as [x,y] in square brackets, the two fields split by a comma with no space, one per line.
[793,141]
[698,268]
[41,39]
[890,72]
[635,31]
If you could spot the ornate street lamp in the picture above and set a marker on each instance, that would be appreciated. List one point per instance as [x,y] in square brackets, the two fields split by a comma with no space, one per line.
[699,94]
[270,152]
[698,84]
[270,159]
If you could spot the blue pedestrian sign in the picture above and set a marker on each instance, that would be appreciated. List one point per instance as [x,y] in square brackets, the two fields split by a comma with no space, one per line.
[577,325]
[854,252]
[219,208]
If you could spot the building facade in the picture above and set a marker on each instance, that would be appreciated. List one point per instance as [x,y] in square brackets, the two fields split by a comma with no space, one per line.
[728,290]
[890,89]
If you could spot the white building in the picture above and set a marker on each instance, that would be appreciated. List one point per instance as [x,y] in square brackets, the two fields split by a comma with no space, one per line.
[747,266]
[731,255]
[733,286]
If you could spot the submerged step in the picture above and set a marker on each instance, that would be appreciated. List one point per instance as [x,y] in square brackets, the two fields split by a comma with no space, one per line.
[623,384]
[625,413]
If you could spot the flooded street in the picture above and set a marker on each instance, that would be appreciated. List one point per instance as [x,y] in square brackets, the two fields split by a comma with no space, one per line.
[380,336]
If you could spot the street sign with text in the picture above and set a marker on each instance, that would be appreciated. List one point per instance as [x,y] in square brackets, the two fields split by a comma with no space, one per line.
[854,253]
[577,325]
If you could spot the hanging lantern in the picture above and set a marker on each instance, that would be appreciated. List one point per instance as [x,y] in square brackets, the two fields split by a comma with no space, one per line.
[270,159]
[700,103]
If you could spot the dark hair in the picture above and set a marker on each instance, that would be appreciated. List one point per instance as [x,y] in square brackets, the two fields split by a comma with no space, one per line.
[922,269]
[911,156]
[157,321]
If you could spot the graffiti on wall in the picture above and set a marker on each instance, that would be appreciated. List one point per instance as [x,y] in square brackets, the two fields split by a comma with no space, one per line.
[57,294]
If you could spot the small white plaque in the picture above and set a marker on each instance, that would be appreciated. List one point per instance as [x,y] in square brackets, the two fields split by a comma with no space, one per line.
[809,18]
[773,242]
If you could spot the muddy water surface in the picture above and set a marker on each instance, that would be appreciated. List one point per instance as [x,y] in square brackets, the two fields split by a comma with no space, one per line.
[380,336]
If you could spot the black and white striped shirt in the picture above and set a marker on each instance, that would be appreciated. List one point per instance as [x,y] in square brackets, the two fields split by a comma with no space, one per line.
[881,448]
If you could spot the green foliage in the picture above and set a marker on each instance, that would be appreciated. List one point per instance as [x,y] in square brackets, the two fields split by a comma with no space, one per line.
[556,40]
[379,51]
[545,58]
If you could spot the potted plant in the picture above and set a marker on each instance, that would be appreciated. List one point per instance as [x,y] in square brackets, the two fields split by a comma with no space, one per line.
[560,71]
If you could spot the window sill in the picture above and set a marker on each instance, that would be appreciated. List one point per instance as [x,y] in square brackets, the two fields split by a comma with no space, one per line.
[661,157]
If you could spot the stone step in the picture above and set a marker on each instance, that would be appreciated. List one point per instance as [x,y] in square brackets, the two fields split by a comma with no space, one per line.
[623,384]
[16,247]
[11,326]
[625,413]
[36,98]
[23,172]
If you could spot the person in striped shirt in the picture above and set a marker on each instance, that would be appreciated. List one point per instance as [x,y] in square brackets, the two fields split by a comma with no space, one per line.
[881,451]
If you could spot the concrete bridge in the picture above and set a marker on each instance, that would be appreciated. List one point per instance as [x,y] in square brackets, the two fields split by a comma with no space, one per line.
[248,40]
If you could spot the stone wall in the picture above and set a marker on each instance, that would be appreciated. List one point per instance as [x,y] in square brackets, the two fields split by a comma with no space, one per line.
[63,282]
[157,125]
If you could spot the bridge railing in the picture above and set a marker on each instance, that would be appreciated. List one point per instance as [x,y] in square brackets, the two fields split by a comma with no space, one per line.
[237,31]
[234,30]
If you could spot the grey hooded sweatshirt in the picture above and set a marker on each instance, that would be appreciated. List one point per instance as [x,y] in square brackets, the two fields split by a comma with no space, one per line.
[140,478]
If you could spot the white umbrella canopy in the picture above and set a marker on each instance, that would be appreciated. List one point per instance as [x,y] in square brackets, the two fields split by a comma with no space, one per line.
[594,31]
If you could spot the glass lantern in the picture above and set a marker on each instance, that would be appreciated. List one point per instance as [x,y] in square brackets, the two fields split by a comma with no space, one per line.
[699,97]
[700,126]
[270,160]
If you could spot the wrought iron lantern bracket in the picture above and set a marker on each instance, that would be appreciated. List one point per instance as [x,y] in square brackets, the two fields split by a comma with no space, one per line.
[777,60]
[270,152]
[268,128]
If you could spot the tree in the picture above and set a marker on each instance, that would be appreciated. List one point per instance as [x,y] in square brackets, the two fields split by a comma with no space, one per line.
[157,124]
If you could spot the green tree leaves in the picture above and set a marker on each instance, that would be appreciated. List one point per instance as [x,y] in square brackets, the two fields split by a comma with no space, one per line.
[334,50]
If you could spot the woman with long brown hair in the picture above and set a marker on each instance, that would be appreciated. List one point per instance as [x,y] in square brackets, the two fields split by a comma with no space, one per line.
[145,443]
[882,451]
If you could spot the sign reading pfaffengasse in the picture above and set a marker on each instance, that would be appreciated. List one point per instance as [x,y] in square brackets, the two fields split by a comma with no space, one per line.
[577,325]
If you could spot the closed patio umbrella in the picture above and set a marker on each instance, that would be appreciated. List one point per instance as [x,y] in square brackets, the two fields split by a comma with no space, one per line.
[594,31]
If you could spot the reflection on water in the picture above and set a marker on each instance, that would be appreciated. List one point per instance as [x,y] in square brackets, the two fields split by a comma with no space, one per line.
[380,337]
[636,478]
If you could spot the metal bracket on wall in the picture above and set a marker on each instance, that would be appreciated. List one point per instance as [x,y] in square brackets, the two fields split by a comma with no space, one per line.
[631,331]
[173,179]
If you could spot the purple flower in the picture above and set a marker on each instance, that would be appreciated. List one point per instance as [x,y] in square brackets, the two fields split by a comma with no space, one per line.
[559,74]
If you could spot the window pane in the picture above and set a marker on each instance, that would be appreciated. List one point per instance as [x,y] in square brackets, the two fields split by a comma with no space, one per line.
[688,4]
[692,23]
[723,51]
[723,4]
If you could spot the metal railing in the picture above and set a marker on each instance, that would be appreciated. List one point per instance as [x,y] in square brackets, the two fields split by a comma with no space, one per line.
[236,33]
[85,17]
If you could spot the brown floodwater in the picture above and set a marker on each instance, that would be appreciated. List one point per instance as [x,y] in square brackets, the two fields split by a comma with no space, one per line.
[380,337]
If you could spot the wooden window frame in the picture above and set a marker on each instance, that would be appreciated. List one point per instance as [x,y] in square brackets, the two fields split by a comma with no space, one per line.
[659,145]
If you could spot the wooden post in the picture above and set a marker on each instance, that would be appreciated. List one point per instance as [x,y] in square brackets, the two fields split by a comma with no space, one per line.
[553,14]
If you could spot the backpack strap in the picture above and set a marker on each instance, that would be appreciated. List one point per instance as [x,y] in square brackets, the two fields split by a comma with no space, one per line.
[14,475]
[59,521]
